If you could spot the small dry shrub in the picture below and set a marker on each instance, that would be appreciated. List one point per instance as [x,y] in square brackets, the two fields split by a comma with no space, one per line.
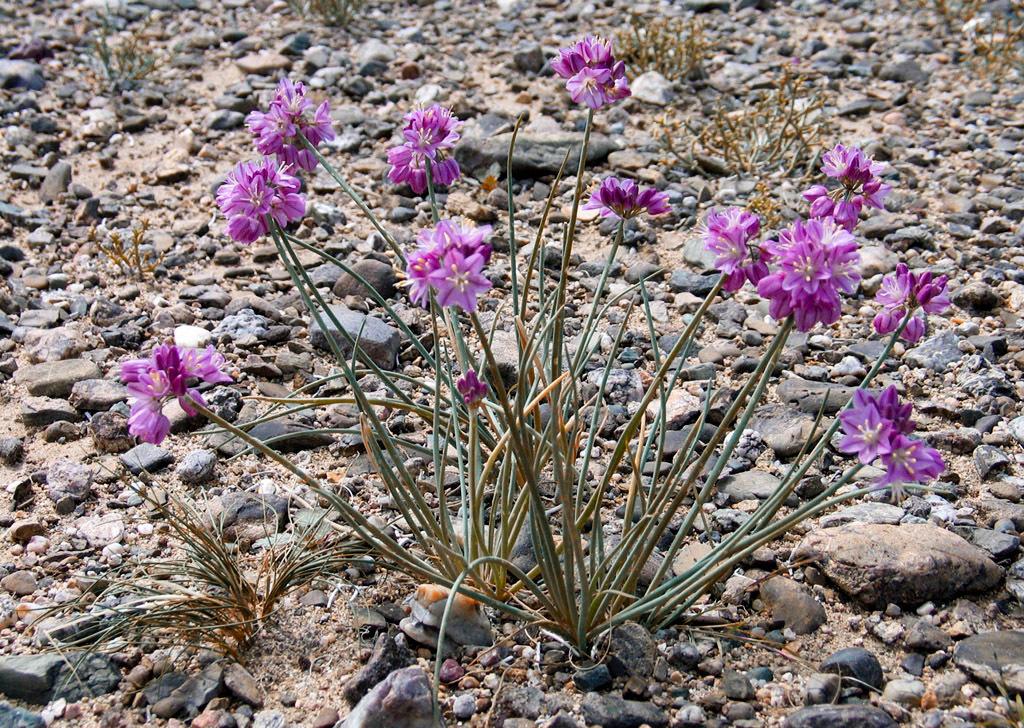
[994,38]
[674,47]
[779,132]
[330,12]
[210,597]
[125,61]
[128,252]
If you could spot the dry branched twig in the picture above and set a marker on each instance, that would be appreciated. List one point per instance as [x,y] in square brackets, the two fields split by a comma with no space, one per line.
[994,39]
[331,12]
[210,597]
[129,253]
[126,62]
[764,206]
[780,131]
[674,47]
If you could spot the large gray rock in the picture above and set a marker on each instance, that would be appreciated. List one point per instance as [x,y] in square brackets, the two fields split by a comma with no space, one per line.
[403,698]
[610,711]
[377,338]
[56,378]
[793,604]
[936,353]
[907,565]
[996,658]
[535,156]
[839,716]
[11,717]
[40,679]
[21,74]
[388,655]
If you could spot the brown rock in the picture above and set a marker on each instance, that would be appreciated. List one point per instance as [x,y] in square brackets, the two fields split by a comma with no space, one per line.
[906,565]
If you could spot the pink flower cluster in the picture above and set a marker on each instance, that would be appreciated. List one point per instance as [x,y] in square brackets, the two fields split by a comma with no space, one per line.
[278,129]
[623,199]
[255,192]
[859,186]
[471,389]
[904,292]
[163,376]
[593,76]
[429,135]
[877,426]
[731,236]
[449,261]
[816,261]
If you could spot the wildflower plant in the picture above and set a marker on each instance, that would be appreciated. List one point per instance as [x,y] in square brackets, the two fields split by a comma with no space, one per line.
[526,527]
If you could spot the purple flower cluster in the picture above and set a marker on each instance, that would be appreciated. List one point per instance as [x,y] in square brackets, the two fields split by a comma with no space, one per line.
[429,135]
[592,75]
[449,261]
[730,236]
[904,292]
[816,261]
[859,186]
[256,191]
[278,129]
[471,389]
[623,199]
[164,375]
[877,427]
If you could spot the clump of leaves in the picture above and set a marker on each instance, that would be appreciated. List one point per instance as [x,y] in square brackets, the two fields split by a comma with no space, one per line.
[779,132]
[211,596]
[126,61]
[674,47]
[330,12]
[129,252]
[995,40]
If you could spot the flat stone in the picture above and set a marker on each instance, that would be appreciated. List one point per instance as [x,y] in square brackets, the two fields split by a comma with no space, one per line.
[864,513]
[146,458]
[43,411]
[101,530]
[535,155]
[56,378]
[859,668]
[610,711]
[242,685]
[377,338]
[403,698]
[793,604]
[906,565]
[97,395]
[56,182]
[996,658]
[40,679]
[749,485]
[839,716]
[387,656]
[652,88]
[936,353]
[11,717]
[264,63]
[808,395]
